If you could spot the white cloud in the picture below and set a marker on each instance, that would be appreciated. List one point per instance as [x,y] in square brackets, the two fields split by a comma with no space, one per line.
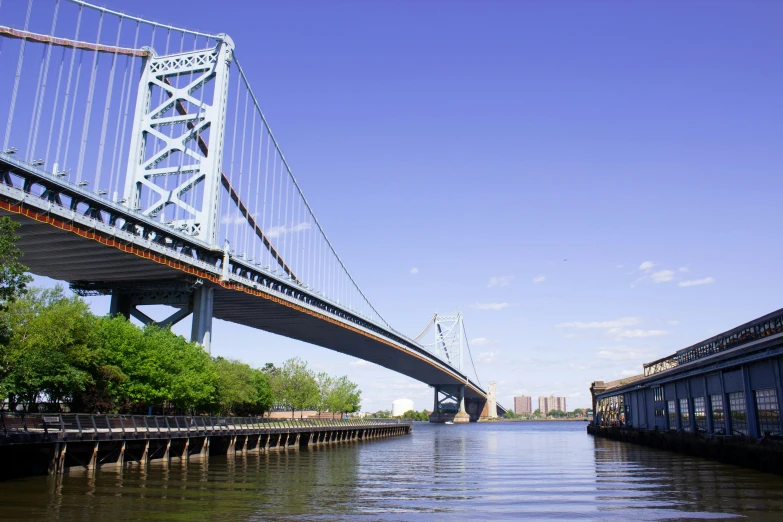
[283,230]
[491,306]
[482,341]
[487,357]
[662,276]
[414,271]
[621,353]
[673,322]
[646,266]
[499,281]
[697,282]
[629,373]
[619,266]
[622,333]
[616,323]
[539,279]
[683,269]
[358,363]
[233,218]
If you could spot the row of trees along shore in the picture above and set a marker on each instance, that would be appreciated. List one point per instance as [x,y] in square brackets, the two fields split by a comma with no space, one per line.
[55,354]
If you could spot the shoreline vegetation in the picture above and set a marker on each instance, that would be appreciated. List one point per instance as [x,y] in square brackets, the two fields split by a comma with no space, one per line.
[56,355]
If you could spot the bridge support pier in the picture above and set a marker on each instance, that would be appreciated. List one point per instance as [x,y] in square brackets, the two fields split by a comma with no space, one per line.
[201,331]
[198,299]
[451,406]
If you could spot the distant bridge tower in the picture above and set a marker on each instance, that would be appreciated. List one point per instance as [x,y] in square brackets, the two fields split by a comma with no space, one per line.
[449,346]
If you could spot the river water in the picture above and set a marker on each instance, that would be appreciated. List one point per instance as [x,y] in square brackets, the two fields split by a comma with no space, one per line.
[499,471]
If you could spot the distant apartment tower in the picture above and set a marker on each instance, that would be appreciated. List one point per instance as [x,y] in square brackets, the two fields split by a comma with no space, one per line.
[547,404]
[523,404]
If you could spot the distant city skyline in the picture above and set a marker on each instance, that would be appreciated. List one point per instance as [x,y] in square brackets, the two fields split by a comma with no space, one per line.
[553,402]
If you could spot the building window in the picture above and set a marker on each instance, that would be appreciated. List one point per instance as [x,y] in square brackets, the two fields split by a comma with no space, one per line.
[671,408]
[658,394]
[685,416]
[739,413]
[768,412]
[699,414]
[718,416]
[659,412]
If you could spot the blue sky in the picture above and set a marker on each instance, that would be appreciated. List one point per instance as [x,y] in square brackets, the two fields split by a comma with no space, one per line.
[594,184]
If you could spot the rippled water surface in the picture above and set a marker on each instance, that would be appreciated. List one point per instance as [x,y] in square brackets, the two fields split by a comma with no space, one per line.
[535,471]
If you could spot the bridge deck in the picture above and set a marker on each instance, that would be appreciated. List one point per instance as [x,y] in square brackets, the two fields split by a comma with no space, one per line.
[66,252]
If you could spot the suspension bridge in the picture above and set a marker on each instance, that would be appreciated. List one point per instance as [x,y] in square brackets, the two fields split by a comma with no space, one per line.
[139,163]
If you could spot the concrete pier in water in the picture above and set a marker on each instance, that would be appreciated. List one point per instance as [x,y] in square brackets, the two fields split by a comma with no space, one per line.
[57,443]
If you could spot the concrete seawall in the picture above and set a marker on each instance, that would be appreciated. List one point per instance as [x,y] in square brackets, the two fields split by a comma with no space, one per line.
[764,455]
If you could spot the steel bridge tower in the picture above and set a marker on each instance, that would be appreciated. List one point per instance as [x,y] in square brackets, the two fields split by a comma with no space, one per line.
[196,134]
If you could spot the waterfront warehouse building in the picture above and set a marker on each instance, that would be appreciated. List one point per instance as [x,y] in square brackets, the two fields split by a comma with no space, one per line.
[523,405]
[727,385]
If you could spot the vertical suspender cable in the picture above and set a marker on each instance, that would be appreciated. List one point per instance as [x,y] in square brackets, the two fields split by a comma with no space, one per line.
[469,353]
[54,108]
[40,95]
[106,111]
[258,186]
[263,211]
[67,93]
[88,110]
[73,108]
[272,207]
[125,116]
[249,179]
[285,230]
[230,217]
[280,228]
[16,79]
[28,154]
[241,172]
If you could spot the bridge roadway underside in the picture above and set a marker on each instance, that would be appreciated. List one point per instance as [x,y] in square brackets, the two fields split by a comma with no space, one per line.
[67,256]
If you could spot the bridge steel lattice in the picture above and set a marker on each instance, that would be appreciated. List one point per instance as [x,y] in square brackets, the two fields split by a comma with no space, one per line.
[140,165]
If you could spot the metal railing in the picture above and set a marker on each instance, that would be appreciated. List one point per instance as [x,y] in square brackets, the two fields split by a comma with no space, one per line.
[76,425]
[760,328]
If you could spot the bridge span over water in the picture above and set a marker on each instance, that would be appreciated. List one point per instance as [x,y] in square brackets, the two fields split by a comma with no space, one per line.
[139,164]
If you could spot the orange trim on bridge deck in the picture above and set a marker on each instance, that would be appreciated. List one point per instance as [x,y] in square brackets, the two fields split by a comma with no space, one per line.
[42,218]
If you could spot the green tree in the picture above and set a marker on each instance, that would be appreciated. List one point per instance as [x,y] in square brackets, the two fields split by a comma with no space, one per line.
[422,415]
[325,385]
[537,413]
[162,369]
[556,413]
[13,276]
[51,349]
[235,390]
[511,415]
[264,398]
[343,396]
[298,387]
[13,279]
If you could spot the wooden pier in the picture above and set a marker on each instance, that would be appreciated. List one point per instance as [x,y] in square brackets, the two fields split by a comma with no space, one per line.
[56,443]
